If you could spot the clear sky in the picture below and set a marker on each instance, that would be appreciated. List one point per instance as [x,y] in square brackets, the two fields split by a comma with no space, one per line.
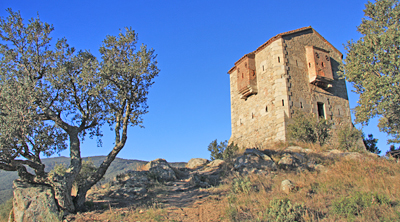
[197,42]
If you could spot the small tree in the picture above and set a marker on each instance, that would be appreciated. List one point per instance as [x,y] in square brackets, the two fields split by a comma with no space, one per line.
[372,64]
[306,128]
[370,144]
[348,137]
[222,151]
[51,96]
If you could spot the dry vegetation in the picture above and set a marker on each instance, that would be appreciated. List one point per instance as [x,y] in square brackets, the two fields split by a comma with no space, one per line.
[366,189]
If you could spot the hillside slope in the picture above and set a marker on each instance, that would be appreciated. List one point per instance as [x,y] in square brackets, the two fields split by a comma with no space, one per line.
[118,166]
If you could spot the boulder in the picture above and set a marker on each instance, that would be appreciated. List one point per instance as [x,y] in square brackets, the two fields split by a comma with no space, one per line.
[160,170]
[290,161]
[254,161]
[197,180]
[195,163]
[287,186]
[34,202]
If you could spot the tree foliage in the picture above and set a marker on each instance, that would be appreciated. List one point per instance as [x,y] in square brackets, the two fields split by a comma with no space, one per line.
[372,64]
[306,128]
[370,144]
[222,151]
[52,97]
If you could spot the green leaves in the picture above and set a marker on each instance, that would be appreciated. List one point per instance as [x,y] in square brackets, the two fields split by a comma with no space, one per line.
[372,65]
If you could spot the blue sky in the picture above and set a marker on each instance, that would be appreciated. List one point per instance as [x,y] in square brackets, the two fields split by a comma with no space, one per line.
[197,42]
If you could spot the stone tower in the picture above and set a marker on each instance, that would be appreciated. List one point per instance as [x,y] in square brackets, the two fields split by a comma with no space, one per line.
[293,71]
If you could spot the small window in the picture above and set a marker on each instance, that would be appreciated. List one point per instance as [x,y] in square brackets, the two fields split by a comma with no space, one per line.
[309,64]
[263,68]
[279,59]
[245,64]
[266,109]
[297,64]
[301,105]
[322,64]
[283,102]
[252,115]
[321,110]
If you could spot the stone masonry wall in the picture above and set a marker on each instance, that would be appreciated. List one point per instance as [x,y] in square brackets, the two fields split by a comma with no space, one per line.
[261,117]
[284,88]
[303,95]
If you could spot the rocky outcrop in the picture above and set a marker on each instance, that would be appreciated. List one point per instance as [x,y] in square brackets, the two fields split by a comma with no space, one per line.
[160,170]
[34,202]
[291,161]
[254,161]
[195,163]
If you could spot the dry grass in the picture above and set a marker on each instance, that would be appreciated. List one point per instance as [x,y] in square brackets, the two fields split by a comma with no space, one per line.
[318,191]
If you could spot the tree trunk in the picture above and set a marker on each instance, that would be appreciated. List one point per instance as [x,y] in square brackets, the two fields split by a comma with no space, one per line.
[62,185]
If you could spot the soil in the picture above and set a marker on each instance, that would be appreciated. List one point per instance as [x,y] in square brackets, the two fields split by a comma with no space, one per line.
[178,201]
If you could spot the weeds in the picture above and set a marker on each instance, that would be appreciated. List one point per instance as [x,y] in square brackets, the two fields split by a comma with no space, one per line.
[284,211]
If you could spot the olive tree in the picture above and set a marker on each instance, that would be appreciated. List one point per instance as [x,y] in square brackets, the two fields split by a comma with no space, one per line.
[52,97]
[372,64]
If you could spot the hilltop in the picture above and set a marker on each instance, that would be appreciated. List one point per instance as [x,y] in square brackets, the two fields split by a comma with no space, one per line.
[282,183]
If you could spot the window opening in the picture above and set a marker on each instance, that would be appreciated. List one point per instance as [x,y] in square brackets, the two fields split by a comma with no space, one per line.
[297,64]
[301,105]
[283,102]
[263,68]
[279,59]
[266,109]
[309,64]
[321,109]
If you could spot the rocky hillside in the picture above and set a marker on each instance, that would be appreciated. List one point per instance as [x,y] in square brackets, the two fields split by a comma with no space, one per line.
[117,167]
[278,184]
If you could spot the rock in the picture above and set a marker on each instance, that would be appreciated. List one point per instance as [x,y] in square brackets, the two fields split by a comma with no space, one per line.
[160,170]
[297,149]
[254,161]
[34,202]
[216,163]
[197,180]
[290,161]
[257,153]
[195,163]
[287,186]
[353,156]
[321,168]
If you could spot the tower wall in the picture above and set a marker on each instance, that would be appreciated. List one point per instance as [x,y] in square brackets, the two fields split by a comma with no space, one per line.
[289,78]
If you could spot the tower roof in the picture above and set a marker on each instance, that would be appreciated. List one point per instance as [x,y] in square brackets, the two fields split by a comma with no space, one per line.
[273,39]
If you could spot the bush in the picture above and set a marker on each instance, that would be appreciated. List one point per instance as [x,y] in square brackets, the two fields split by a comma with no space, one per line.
[370,144]
[357,204]
[283,210]
[241,185]
[308,129]
[222,151]
[347,137]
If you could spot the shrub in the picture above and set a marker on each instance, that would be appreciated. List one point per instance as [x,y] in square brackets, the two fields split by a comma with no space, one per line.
[282,210]
[222,151]
[306,128]
[356,204]
[241,185]
[347,137]
[370,144]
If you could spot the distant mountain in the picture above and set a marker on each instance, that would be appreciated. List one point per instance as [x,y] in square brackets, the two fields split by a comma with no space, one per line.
[118,166]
